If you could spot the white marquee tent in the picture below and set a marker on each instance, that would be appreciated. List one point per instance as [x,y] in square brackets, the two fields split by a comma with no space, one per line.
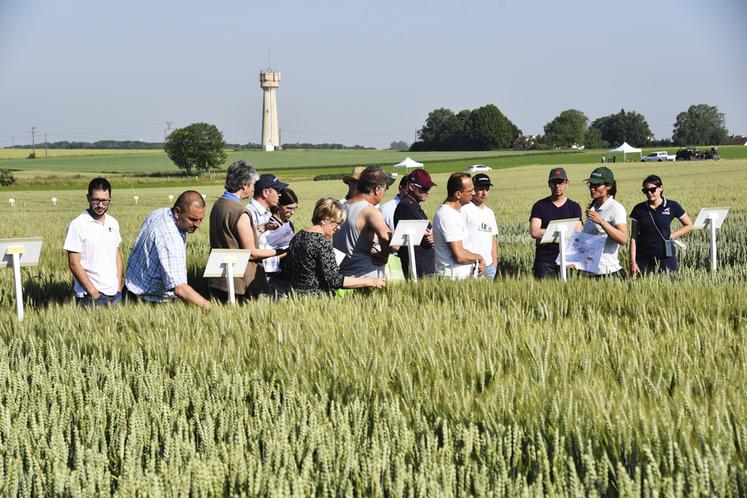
[626,149]
[409,163]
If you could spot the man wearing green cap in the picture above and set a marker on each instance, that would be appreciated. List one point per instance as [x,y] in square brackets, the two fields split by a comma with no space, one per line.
[606,217]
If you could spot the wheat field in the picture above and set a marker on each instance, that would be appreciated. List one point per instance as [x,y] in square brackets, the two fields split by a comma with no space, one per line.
[507,388]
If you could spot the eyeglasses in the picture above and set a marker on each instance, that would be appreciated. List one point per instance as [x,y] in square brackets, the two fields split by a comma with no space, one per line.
[557,182]
[425,190]
[649,190]
[595,185]
[103,202]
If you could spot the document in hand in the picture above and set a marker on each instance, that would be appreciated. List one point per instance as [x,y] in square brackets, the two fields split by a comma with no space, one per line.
[584,251]
[275,239]
[280,237]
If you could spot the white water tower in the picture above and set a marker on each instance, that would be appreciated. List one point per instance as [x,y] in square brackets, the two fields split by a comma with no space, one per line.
[269,80]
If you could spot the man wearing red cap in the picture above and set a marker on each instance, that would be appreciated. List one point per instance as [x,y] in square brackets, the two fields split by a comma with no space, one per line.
[419,184]
[555,207]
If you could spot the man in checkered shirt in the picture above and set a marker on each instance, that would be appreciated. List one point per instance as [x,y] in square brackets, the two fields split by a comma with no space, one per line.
[157,267]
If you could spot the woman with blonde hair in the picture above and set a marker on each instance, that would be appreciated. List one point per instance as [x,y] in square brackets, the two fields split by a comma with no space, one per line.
[311,256]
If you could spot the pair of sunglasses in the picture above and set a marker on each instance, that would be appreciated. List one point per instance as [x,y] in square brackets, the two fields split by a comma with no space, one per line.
[649,190]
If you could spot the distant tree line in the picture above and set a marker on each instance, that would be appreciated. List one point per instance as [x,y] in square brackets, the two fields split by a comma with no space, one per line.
[137,144]
[325,146]
[486,128]
[101,144]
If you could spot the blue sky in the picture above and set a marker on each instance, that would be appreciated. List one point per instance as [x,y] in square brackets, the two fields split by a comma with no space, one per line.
[359,72]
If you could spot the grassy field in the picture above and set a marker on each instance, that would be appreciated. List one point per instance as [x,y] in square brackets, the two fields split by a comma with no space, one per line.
[511,388]
[153,168]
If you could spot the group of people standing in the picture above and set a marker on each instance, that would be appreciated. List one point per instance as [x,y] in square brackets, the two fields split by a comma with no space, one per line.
[348,244]
[651,239]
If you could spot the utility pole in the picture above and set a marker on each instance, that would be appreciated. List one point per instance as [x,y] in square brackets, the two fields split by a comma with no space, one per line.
[33,141]
[167,131]
[46,146]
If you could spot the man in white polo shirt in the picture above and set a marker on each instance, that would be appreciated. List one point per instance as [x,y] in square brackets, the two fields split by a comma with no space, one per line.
[449,232]
[92,245]
[482,228]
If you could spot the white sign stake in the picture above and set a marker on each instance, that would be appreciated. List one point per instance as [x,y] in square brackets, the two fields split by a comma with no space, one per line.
[12,202]
[54,201]
[563,269]
[712,218]
[559,231]
[225,263]
[17,253]
[135,198]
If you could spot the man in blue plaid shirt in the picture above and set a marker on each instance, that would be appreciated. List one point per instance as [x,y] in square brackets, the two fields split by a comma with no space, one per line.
[157,267]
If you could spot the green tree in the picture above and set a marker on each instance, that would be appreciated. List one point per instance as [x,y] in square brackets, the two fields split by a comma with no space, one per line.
[701,124]
[567,129]
[441,130]
[489,129]
[199,146]
[593,139]
[622,127]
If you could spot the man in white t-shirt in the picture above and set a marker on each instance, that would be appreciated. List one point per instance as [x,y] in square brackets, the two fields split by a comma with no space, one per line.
[92,245]
[482,228]
[449,232]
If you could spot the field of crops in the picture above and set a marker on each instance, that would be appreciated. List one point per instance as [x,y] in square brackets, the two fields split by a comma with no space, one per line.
[513,387]
[70,168]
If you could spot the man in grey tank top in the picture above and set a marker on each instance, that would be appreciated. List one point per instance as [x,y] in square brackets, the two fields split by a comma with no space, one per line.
[364,236]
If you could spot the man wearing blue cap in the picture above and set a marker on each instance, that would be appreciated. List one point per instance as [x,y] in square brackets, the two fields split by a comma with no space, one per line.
[266,196]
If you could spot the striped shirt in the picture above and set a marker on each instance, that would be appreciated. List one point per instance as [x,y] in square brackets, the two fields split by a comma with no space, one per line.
[158,261]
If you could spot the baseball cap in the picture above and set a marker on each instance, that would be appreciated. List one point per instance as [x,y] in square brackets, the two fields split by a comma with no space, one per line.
[601,175]
[481,180]
[557,174]
[269,181]
[421,177]
[354,176]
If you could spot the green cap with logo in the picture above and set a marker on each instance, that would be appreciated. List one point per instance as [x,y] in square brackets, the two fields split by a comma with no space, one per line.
[601,175]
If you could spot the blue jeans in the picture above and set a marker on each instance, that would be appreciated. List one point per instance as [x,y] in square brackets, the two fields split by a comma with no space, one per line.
[103,300]
[489,272]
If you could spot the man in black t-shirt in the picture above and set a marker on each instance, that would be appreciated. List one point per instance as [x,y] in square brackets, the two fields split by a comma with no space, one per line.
[555,207]
[419,184]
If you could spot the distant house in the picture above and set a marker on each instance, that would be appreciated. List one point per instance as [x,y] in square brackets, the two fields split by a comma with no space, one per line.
[737,140]
[524,142]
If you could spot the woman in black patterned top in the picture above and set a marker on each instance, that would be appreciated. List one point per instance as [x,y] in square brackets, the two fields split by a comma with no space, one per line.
[311,258]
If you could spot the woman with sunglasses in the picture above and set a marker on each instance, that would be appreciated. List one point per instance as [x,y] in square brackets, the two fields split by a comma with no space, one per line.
[651,246]
[278,278]
[606,217]
[311,256]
